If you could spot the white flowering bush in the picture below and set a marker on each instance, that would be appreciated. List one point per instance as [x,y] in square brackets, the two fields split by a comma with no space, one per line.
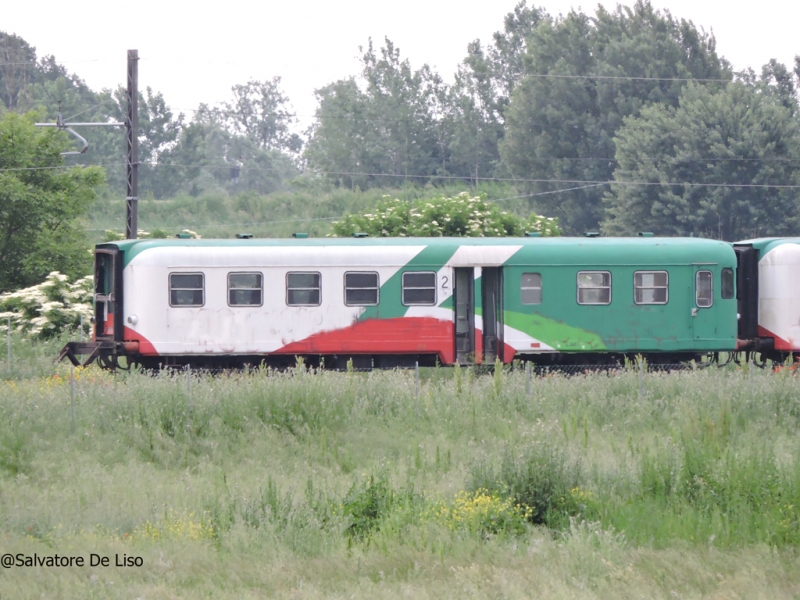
[461,215]
[48,309]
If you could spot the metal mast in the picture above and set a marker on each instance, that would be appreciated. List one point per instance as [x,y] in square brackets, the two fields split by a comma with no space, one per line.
[132,163]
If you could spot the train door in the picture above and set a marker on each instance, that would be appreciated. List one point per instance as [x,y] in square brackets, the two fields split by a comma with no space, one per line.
[703,316]
[464,302]
[105,293]
[747,290]
[492,307]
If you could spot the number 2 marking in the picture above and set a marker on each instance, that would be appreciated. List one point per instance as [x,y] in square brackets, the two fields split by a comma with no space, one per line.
[444,282]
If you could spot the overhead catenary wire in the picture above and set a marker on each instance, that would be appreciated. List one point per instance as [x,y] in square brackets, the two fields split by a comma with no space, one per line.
[109,101]
[586,182]
[493,73]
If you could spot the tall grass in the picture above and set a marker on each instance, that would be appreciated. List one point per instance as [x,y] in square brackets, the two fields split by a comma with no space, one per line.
[584,481]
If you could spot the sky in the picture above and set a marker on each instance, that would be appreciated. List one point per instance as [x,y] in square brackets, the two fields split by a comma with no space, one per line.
[195,52]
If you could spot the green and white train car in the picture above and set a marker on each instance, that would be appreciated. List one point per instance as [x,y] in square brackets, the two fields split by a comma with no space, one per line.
[394,301]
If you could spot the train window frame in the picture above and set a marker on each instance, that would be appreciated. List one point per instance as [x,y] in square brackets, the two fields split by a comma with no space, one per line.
[405,287]
[172,289]
[664,287]
[722,284]
[377,288]
[579,288]
[523,288]
[697,288]
[318,288]
[260,288]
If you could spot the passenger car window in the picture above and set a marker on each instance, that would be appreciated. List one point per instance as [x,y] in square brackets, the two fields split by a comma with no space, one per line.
[594,287]
[650,287]
[419,288]
[360,289]
[244,289]
[186,289]
[727,283]
[303,289]
[704,289]
[530,288]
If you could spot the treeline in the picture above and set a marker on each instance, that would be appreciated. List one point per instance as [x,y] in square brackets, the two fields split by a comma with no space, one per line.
[624,120]
[177,154]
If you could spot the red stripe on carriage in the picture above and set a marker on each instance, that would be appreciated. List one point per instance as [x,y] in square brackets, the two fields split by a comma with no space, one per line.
[404,335]
[145,346]
[780,343]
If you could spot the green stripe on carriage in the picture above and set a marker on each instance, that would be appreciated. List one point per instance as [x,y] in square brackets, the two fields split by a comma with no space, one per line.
[554,333]
[432,258]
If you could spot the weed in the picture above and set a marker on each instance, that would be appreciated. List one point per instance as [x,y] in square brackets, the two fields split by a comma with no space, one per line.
[367,502]
[540,478]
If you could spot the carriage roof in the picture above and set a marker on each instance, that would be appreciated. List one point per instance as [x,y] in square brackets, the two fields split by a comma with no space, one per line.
[527,250]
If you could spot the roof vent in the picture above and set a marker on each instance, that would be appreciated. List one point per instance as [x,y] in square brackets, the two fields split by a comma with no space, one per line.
[183,236]
[244,236]
[360,234]
[532,234]
[591,234]
[646,234]
[300,235]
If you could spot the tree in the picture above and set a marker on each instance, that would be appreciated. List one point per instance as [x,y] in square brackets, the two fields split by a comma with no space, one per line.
[741,135]
[386,134]
[246,144]
[338,146]
[40,205]
[478,100]
[261,113]
[582,77]
[17,68]
[208,157]
[459,216]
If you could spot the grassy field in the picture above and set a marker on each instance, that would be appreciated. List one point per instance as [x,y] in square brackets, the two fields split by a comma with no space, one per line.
[320,485]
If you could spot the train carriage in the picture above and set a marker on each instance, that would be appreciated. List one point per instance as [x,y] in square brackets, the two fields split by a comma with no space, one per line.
[396,301]
[769,291]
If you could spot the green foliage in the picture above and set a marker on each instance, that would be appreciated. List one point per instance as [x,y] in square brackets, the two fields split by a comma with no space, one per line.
[260,111]
[739,135]
[540,478]
[310,206]
[561,121]
[40,205]
[209,158]
[251,132]
[385,134]
[562,105]
[460,215]
[478,100]
[365,505]
[49,309]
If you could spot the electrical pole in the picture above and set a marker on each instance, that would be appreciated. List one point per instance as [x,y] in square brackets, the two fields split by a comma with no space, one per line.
[132,128]
[132,163]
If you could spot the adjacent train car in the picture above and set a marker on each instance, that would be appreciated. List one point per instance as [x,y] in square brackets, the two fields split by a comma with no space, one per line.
[396,301]
[769,296]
